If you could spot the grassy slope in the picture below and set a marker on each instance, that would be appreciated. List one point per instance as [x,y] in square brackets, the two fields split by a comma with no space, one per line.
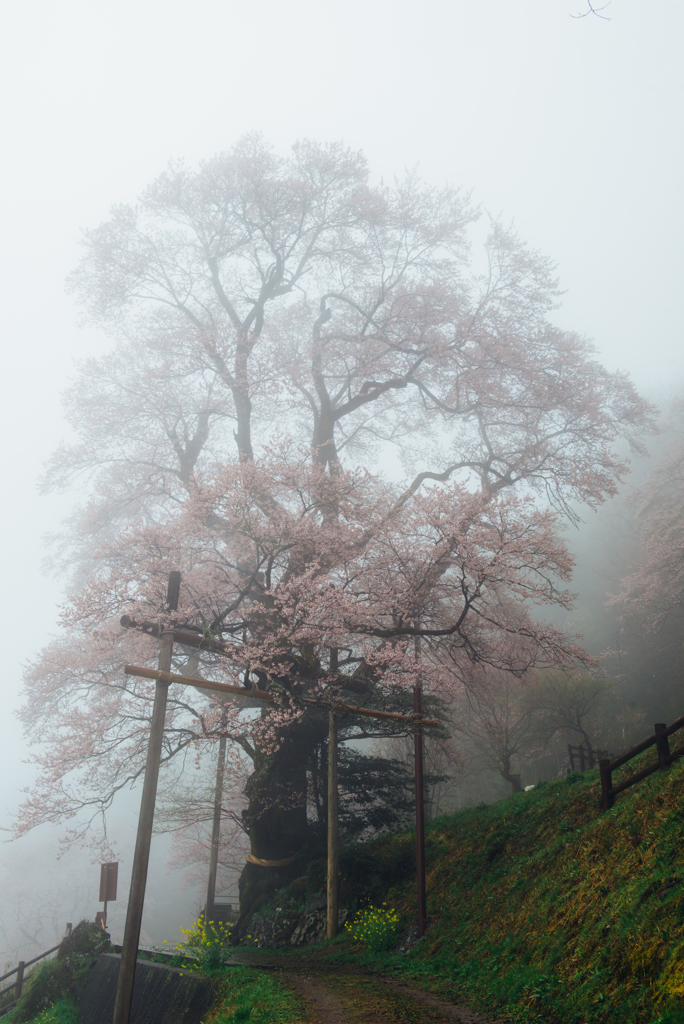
[63,1011]
[552,910]
[247,995]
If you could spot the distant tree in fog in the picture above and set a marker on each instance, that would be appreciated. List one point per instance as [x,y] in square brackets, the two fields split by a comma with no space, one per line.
[652,594]
[354,443]
[570,704]
[492,713]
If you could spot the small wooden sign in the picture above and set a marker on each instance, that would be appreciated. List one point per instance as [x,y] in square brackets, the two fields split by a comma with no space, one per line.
[108,878]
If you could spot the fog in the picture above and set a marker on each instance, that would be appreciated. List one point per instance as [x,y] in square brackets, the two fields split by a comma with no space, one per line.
[571,126]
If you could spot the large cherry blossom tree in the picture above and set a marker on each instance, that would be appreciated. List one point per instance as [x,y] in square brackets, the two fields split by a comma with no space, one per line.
[340,408]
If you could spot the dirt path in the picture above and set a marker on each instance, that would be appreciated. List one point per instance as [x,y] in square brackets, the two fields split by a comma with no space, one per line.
[336,994]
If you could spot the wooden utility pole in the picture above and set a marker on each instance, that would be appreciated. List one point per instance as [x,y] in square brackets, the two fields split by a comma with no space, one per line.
[332,827]
[420,806]
[209,910]
[141,857]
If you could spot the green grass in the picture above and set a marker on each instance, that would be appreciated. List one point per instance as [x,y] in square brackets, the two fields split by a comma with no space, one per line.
[555,911]
[63,1011]
[248,995]
[544,907]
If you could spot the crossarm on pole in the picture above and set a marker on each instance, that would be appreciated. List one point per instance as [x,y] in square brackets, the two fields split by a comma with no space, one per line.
[240,691]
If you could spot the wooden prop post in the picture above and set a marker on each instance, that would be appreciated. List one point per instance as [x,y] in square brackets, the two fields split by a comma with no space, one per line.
[420,807]
[141,857]
[332,828]
[209,911]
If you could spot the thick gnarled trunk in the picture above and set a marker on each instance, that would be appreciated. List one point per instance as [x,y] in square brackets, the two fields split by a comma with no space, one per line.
[276,815]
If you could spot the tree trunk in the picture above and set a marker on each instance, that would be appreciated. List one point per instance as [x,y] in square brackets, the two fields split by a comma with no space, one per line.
[508,775]
[276,815]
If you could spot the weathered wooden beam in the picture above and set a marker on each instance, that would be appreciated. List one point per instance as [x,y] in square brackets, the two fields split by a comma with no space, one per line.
[180,636]
[240,691]
[209,910]
[200,684]
[173,590]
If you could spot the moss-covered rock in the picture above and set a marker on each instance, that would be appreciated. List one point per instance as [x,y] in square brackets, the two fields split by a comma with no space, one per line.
[87,940]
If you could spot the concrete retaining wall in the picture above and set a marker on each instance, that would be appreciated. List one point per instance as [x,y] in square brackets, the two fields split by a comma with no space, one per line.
[161,995]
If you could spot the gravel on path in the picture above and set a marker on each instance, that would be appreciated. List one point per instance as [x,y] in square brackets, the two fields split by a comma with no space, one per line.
[344,994]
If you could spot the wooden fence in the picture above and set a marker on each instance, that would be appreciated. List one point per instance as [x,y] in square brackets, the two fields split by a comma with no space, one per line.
[659,740]
[586,757]
[20,970]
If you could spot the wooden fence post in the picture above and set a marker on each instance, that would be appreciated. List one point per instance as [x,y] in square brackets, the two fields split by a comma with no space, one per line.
[20,979]
[606,783]
[662,744]
[581,757]
[571,757]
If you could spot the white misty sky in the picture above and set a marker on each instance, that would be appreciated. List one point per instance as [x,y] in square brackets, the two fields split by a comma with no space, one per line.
[572,127]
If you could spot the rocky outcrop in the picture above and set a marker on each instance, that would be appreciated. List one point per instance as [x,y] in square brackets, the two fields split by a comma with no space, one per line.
[291,927]
[269,931]
[313,927]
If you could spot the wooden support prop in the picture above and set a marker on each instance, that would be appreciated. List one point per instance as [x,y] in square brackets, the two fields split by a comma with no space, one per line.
[181,636]
[201,684]
[141,857]
[240,691]
[173,590]
[332,828]
[209,911]
[420,807]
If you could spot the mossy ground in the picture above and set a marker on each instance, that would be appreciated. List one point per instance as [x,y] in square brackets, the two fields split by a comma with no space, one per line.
[63,1011]
[546,908]
[248,995]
